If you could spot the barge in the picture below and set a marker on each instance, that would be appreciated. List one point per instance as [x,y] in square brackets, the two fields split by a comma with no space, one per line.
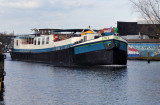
[71,47]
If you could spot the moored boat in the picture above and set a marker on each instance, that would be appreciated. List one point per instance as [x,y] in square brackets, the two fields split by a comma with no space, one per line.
[71,47]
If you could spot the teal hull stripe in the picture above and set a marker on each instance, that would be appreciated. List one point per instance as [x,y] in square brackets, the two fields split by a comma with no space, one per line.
[123,46]
[43,50]
[34,50]
[89,48]
[98,46]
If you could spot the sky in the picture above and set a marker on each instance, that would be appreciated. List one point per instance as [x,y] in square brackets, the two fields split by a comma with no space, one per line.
[22,15]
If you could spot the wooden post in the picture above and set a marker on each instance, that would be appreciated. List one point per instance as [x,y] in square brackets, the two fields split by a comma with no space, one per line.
[2,72]
[1,59]
[148,59]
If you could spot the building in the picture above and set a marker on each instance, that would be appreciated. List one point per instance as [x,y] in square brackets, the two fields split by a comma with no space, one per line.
[133,28]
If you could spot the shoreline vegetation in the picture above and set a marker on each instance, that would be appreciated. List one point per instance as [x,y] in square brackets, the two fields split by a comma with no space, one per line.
[6,39]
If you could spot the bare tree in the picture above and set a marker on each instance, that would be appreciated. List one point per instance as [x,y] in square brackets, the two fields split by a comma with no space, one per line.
[148,9]
[5,39]
[150,12]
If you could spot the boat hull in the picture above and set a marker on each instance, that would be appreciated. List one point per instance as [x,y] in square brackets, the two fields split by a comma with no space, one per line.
[102,57]
[85,55]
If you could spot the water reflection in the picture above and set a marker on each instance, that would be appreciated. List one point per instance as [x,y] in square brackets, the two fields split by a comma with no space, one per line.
[115,72]
[100,84]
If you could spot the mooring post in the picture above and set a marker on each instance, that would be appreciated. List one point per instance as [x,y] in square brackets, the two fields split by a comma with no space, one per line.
[1,58]
[2,72]
[148,59]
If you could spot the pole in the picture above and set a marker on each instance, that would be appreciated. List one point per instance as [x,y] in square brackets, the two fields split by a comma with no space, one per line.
[2,72]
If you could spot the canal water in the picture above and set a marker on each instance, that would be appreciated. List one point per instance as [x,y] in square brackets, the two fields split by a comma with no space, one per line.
[28,83]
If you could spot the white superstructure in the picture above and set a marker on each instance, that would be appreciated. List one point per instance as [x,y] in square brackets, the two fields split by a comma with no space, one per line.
[47,41]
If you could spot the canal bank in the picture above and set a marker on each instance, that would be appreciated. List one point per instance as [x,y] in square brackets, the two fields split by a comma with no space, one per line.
[144,49]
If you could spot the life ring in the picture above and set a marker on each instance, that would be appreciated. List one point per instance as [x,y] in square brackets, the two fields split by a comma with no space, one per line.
[55,36]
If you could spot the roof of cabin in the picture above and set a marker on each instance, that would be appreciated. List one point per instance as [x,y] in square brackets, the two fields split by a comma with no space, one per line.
[73,30]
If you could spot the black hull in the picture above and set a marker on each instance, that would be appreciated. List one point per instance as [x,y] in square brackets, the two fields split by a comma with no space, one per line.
[67,57]
[102,57]
[57,58]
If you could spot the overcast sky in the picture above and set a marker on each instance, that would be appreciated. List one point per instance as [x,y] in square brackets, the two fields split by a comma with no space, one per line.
[22,15]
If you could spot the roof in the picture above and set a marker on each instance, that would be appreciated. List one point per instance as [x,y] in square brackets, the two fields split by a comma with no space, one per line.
[25,36]
[73,30]
[48,29]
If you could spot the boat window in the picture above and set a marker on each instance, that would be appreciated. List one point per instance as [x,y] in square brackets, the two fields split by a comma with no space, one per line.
[42,32]
[45,31]
[34,41]
[47,40]
[39,40]
[85,38]
[51,32]
[17,42]
[29,41]
[43,39]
